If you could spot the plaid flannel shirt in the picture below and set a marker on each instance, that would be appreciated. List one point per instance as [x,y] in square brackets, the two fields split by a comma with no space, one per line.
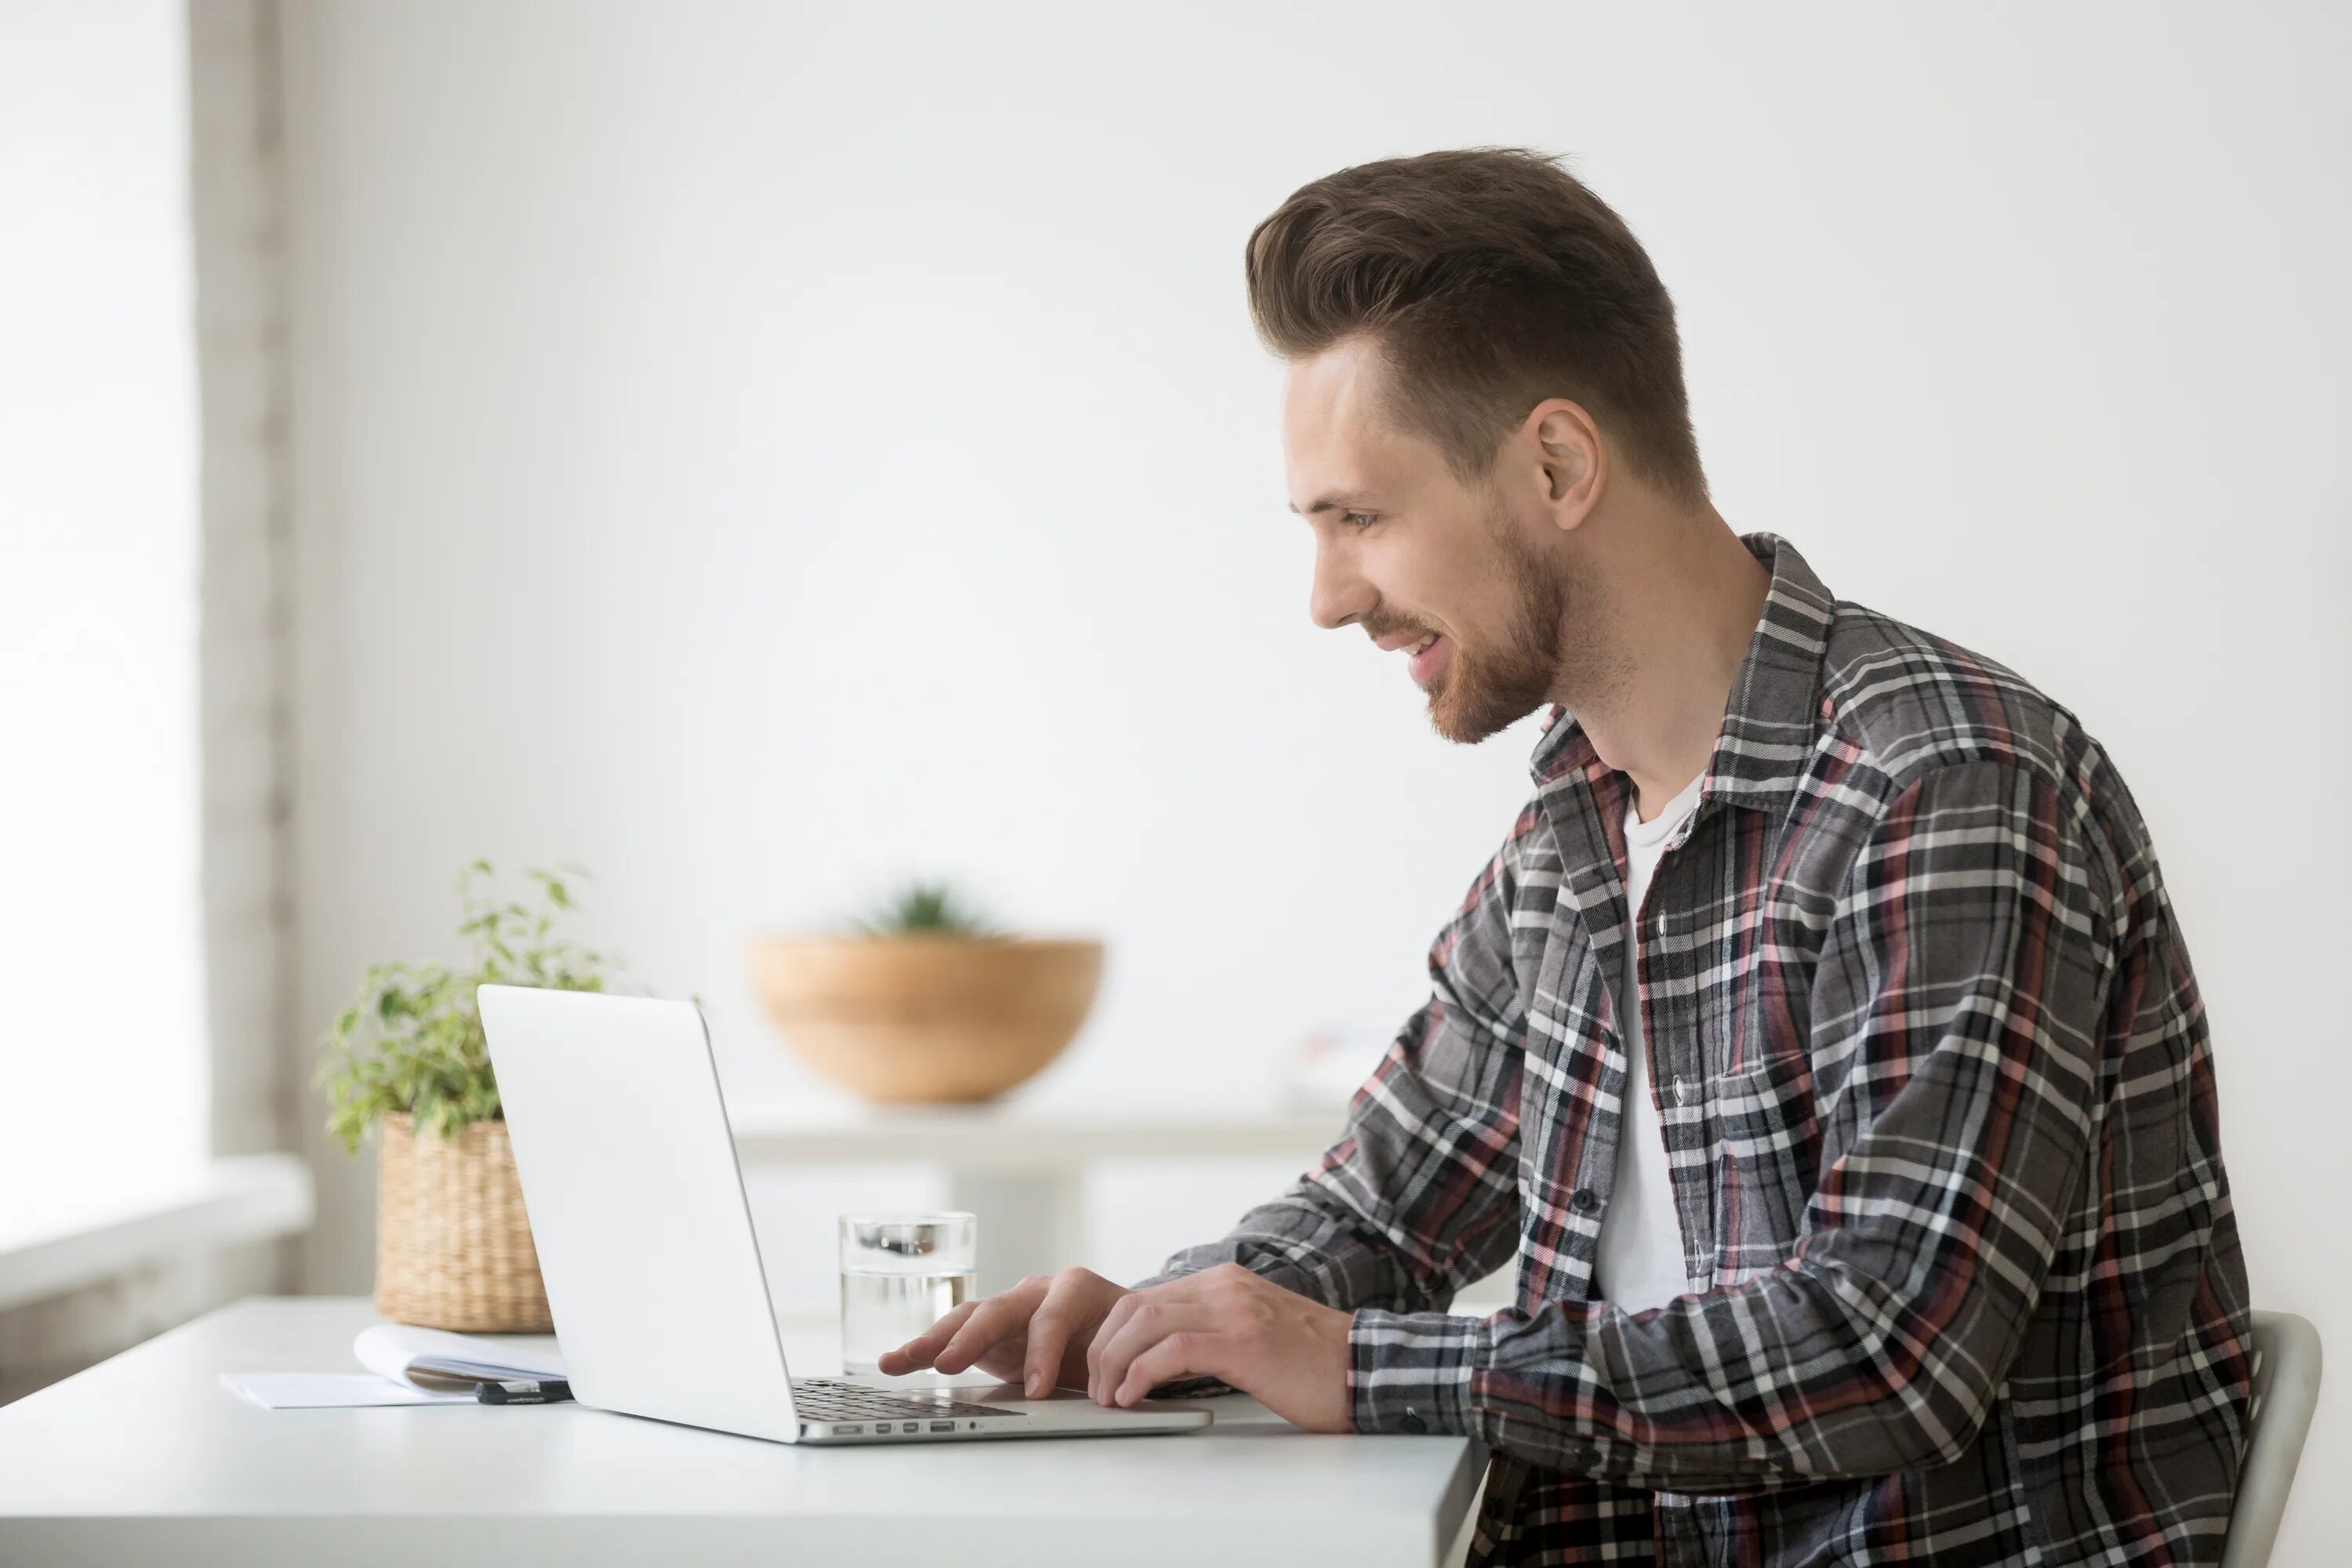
[1933,1076]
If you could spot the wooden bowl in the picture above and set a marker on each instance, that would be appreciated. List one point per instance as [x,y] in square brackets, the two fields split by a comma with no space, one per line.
[927,1018]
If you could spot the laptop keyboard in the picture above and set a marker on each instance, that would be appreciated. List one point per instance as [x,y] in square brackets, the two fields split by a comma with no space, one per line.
[828,1399]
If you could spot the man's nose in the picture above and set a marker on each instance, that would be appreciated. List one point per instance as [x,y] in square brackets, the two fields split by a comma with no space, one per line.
[1338,596]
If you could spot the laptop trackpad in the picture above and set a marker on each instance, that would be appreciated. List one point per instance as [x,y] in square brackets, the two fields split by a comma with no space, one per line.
[1063,1401]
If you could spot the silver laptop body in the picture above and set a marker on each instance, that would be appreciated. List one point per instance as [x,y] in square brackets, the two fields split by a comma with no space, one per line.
[644,1239]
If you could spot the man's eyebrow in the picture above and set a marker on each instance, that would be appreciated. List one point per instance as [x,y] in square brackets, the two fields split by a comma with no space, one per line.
[1331,502]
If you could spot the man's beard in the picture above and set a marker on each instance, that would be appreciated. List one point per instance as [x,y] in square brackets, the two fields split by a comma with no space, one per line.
[1481,693]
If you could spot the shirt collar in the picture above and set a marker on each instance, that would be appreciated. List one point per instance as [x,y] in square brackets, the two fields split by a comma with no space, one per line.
[1768,720]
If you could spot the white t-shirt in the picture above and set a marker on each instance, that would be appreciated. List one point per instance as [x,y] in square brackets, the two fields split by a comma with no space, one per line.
[1639,1261]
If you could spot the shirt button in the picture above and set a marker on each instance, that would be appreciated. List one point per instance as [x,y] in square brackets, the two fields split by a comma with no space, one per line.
[1584,1200]
[1413,1421]
[1682,1092]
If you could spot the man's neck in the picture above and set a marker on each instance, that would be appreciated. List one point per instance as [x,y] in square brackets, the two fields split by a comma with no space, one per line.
[1684,596]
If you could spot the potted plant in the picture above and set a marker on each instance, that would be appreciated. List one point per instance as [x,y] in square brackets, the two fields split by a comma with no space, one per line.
[452,1243]
[926,1000]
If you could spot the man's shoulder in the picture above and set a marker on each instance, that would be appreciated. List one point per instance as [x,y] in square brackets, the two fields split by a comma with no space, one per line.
[1906,702]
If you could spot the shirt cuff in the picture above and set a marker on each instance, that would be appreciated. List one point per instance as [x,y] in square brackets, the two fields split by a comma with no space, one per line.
[1410,1371]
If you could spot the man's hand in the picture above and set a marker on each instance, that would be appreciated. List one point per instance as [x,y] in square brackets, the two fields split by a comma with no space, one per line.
[1037,1334]
[1288,1352]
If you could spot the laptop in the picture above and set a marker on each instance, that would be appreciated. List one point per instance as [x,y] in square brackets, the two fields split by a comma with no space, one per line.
[645,1240]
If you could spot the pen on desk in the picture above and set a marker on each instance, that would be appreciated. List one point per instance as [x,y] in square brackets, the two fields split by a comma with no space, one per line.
[524,1391]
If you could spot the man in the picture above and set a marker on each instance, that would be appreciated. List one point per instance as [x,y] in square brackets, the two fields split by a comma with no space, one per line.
[1819,1041]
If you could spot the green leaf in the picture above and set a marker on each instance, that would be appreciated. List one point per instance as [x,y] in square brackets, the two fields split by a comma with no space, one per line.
[929,907]
[412,1041]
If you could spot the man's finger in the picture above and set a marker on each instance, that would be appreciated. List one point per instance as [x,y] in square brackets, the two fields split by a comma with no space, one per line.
[1113,1322]
[998,1317]
[1183,1352]
[1146,1325]
[918,1351]
[1050,1326]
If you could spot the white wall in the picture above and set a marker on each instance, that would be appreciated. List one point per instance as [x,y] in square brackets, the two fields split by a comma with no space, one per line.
[761,451]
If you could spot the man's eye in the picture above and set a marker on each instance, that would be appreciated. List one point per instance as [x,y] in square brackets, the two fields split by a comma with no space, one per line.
[1361,518]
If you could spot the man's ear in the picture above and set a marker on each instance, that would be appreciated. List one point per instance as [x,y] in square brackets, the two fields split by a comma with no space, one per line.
[1573,458]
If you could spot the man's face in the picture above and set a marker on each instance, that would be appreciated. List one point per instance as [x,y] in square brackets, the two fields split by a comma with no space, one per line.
[1406,550]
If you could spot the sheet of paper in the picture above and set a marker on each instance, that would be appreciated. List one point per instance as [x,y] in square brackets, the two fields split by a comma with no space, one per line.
[329,1390]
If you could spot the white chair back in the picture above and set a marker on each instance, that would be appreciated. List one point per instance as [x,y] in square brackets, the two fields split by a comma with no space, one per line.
[2286,1390]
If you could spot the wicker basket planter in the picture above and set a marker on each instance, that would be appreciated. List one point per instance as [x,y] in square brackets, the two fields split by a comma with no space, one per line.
[453,1245]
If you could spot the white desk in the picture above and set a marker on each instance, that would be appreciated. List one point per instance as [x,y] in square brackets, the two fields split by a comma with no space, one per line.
[1023,1172]
[145,1458]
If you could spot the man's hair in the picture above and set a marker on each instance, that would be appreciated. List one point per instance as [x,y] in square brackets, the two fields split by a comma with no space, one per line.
[1489,278]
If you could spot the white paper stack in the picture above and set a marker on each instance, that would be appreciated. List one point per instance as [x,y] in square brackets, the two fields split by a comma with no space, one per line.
[405,1367]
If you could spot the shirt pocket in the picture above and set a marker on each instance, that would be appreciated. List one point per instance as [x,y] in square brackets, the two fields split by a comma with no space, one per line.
[1765,1142]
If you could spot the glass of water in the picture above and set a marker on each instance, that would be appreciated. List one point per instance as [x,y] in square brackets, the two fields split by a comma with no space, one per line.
[900,1273]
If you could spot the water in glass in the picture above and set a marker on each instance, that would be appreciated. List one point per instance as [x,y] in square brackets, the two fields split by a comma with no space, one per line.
[900,1273]
[883,1308]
